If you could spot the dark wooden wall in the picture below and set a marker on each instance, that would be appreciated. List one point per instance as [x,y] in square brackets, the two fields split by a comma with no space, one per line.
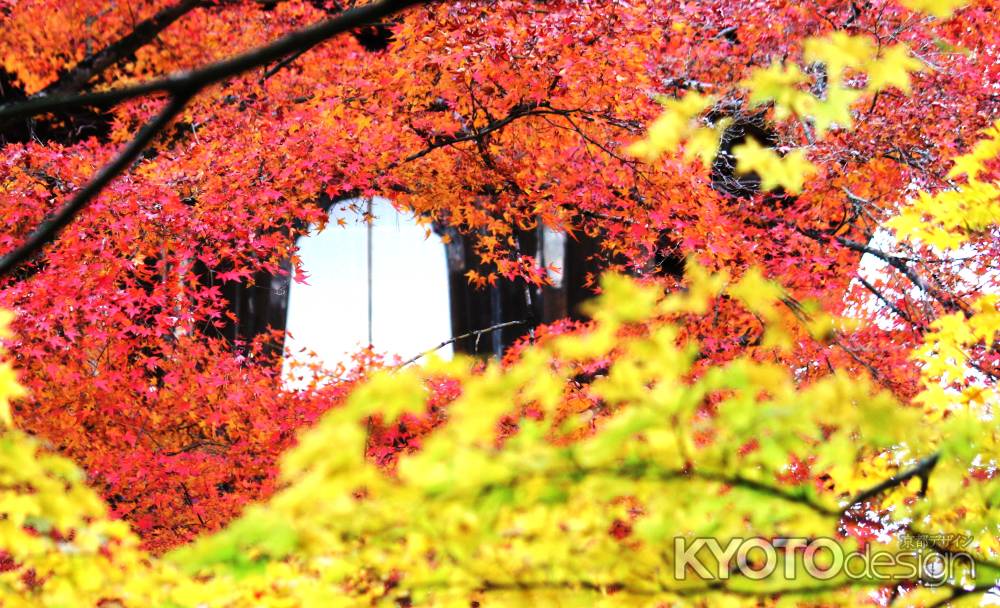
[257,306]
[508,300]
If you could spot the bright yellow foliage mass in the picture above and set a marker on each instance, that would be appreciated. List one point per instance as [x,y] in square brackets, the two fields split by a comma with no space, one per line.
[789,92]
[950,218]
[938,8]
[528,520]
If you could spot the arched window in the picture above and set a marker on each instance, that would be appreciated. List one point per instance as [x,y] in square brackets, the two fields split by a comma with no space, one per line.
[409,310]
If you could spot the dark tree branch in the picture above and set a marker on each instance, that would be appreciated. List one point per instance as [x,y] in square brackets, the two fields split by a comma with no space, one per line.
[77,77]
[948,301]
[287,61]
[902,314]
[191,82]
[51,227]
[900,263]
[921,470]
[516,112]
[519,111]
[180,87]
[958,593]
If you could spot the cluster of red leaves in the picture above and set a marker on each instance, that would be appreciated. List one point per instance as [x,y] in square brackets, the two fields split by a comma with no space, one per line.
[387,441]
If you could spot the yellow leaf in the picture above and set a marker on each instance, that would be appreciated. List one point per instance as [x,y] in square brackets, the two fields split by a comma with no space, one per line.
[788,172]
[704,144]
[938,8]
[779,83]
[839,51]
[893,69]
[834,110]
[672,127]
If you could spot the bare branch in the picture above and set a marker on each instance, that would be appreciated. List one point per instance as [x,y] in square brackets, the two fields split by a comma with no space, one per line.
[516,112]
[900,263]
[471,334]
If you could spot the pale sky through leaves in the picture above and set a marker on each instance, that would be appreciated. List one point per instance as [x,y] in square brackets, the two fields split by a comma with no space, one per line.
[329,313]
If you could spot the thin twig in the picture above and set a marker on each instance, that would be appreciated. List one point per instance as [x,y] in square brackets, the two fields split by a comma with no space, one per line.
[470,334]
[892,305]
[287,61]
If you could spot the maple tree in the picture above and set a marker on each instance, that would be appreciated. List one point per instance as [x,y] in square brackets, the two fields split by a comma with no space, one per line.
[776,389]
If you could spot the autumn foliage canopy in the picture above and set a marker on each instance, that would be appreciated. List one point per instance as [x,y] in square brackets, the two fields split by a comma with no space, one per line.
[797,206]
